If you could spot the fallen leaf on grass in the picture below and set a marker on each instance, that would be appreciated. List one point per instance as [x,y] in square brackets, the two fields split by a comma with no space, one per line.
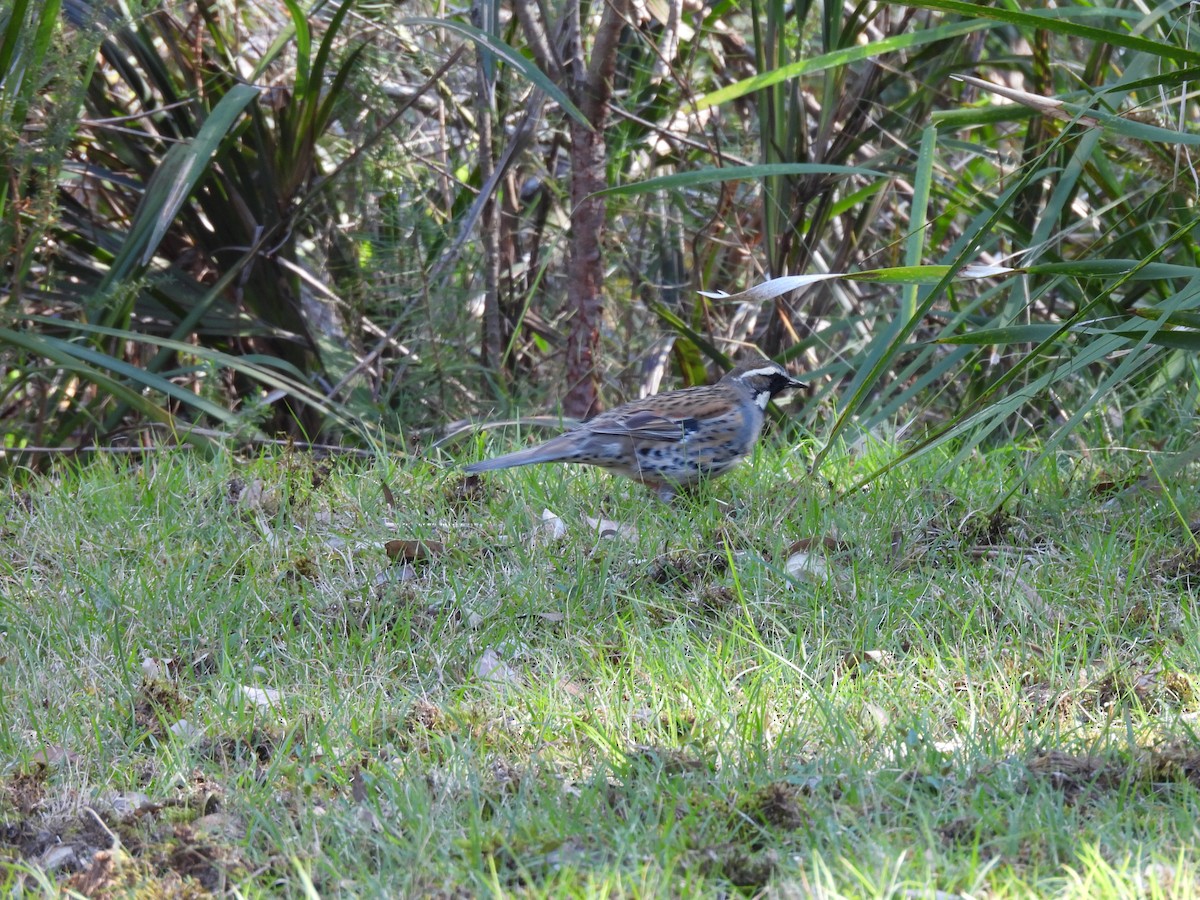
[808,566]
[263,698]
[827,542]
[551,526]
[185,731]
[155,668]
[60,856]
[414,551]
[491,666]
[609,528]
[858,662]
[53,755]
[254,495]
[402,573]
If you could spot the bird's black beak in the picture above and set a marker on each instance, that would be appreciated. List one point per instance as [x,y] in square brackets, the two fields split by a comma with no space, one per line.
[794,383]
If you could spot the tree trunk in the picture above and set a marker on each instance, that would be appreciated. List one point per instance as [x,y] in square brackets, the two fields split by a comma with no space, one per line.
[591,90]
[585,271]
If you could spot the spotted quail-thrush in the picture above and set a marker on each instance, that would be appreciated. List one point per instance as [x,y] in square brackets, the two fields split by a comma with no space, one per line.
[671,440]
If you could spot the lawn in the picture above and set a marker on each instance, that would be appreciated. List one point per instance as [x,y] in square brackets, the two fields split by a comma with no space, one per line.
[279,676]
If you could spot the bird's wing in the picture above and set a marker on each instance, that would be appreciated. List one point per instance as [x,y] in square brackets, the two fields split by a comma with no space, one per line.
[644,425]
[672,418]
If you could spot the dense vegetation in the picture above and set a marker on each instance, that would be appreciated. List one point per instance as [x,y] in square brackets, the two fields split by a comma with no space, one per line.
[232,221]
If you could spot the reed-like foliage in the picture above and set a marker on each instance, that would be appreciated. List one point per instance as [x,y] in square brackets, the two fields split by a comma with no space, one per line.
[885,145]
[174,249]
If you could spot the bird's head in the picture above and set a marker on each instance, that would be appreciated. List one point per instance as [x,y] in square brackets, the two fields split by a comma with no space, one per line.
[763,378]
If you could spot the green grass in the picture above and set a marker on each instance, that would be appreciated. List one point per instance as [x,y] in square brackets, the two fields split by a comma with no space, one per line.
[972,703]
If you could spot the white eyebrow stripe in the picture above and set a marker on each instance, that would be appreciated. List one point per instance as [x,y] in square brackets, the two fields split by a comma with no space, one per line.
[765,372]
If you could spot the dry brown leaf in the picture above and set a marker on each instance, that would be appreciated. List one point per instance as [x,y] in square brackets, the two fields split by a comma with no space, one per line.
[414,550]
[103,873]
[828,542]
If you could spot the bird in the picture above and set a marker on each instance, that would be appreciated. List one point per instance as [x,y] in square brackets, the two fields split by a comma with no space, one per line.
[671,440]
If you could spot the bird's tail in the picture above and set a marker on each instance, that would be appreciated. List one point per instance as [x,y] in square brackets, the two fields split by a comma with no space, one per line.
[552,451]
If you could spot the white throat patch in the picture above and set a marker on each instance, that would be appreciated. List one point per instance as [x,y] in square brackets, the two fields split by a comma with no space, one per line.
[762,398]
